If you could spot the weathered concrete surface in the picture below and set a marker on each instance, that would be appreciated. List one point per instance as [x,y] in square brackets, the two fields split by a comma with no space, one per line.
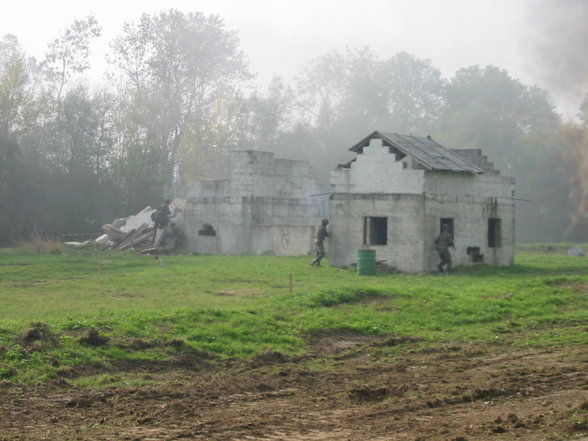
[414,200]
[266,206]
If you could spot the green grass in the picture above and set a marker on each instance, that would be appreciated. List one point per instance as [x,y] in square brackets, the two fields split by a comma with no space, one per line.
[216,307]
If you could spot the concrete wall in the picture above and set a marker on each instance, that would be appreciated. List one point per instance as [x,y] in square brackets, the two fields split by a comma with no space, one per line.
[265,207]
[261,174]
[379,184]
[283,240]
[470,200]
[404,212]
[376,170]
[229,216]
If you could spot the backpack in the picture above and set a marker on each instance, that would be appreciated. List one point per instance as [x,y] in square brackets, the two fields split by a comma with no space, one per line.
[156,216]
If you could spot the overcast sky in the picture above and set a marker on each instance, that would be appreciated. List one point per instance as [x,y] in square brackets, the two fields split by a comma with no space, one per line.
[281,37]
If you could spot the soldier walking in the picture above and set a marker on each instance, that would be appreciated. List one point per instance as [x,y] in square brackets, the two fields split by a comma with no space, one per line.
[160,217]
[442,244]
[319,238]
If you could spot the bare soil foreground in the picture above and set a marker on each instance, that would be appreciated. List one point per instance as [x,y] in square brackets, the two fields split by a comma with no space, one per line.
[349,389]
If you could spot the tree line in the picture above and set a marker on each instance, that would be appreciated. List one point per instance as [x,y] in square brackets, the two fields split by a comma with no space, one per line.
[179,95]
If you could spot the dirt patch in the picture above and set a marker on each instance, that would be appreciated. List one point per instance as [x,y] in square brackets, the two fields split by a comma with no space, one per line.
[456,392]
[240,292]
[129,295]
[269,357]
[92,337]
[225,293]
[366,393]
[580,287]
[37,335]
[334,341]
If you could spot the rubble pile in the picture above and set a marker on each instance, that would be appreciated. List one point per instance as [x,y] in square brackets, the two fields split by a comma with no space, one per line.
[133,233]
[137,232]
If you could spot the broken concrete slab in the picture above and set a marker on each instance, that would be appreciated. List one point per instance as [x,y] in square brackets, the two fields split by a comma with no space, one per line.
[137,220]
[113,233]
[79,244]
[576,251]
[136,236]
[103,240]
[136,232]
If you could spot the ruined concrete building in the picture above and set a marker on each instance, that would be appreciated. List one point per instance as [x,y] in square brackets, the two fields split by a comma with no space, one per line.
[392,198]
[398,191]
[264,206]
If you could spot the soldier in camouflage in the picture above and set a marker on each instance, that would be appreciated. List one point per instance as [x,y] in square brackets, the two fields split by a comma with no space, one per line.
[160,217]
[320,234]
[442,244]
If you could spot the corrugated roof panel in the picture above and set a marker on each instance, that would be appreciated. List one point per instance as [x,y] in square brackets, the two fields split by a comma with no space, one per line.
[427,152]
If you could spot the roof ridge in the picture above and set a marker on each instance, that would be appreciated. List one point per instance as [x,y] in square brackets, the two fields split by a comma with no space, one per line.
[425,150]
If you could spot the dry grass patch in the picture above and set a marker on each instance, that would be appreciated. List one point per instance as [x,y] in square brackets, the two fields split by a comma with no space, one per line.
[41,246]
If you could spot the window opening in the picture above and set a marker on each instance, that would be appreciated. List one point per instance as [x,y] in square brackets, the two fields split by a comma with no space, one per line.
[375,230]
[474,253]
[494,233]
[206,230]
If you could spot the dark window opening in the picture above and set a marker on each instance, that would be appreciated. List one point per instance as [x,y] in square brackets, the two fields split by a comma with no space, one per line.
[375,230]
[446,221]
[207,230]
[494,233]
[474,253]
[397,153]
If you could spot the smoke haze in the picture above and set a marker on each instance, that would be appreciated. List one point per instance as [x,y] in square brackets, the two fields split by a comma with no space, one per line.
[555,40]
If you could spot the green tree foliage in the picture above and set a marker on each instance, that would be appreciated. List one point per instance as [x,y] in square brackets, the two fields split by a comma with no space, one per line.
[17,115]
[16,96]
[340,97]
[27,198]
[173,68]
[271,114]
[9,169]
[179,99]
[515,126]
[348,95]
[542,188]
[488,109]
[56,141]
[415,93]
[68,54]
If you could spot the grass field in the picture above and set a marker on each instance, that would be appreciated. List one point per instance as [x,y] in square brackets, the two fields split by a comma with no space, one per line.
[68,311]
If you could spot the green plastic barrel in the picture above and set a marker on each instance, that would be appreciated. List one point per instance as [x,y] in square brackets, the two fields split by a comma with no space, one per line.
[366,262]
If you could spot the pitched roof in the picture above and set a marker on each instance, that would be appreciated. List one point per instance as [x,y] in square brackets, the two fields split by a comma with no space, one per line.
[425,151]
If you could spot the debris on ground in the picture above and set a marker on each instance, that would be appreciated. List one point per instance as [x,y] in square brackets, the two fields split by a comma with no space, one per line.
[576,251]
[137,232]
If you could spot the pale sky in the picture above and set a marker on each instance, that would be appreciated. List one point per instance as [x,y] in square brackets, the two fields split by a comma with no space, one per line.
[281,37]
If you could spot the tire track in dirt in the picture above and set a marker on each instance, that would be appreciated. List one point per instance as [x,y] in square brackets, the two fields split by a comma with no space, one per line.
[359,392]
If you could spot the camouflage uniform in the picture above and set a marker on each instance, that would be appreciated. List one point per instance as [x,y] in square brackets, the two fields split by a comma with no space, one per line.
[160,217]
[442,244]
[320,234]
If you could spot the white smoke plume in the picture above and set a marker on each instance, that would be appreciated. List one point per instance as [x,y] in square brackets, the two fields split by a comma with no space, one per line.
[554,42]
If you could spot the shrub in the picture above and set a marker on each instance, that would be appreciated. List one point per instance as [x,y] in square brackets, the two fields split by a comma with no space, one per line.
[38,245]
[332,297]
